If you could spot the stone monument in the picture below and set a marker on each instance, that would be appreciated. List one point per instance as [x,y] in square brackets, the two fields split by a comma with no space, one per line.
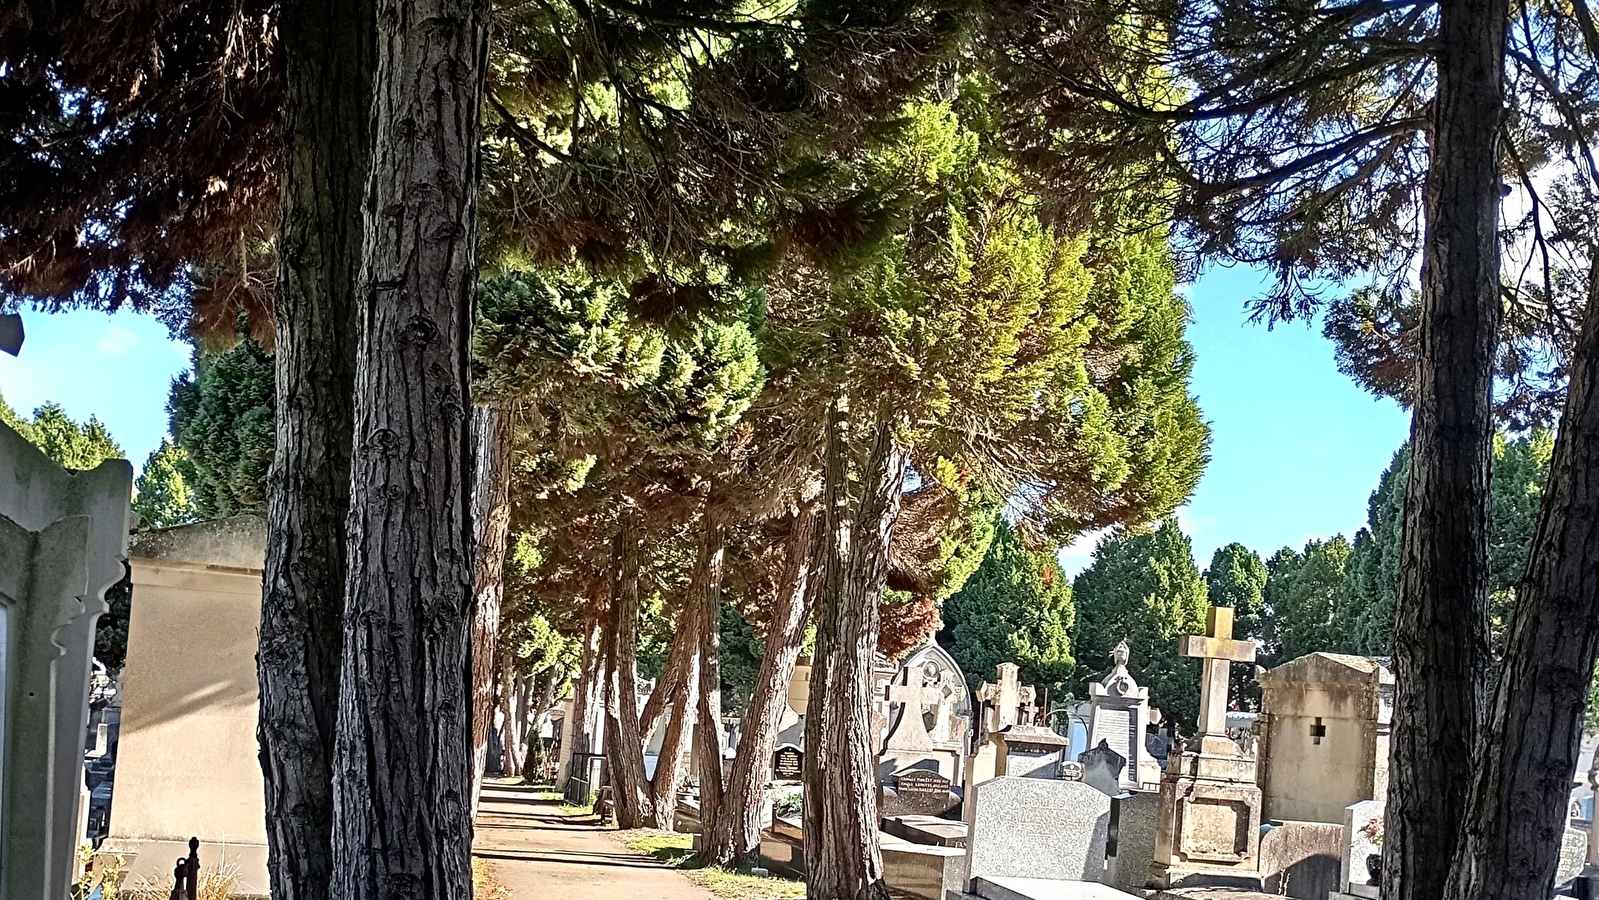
[1324,725]
[1209,829]
[63,536]
[929,716]
[1001,705]
[1119,718]
[188,764]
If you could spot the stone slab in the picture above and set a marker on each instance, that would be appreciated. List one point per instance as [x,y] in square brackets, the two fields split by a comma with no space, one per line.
[1137,821]
[1037,828]
[1002,888]
[928,830]
[1212,893]
[922,873]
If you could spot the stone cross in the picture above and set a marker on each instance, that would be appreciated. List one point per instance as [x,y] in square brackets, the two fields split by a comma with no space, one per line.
[913,694]
[1216,650]
[1005,699]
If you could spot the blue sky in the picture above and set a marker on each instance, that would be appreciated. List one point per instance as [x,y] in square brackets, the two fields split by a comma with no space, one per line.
[1296,446]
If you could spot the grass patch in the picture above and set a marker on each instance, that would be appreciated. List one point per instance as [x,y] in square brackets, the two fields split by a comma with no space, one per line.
[677,850]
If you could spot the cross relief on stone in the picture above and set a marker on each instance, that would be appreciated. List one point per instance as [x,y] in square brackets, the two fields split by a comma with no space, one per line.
[912,695]
[1217,651]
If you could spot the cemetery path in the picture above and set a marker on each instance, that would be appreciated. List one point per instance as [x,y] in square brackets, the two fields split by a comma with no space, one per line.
[536,851]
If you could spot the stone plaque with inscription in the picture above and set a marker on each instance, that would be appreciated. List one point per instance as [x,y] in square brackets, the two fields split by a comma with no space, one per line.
[788,764]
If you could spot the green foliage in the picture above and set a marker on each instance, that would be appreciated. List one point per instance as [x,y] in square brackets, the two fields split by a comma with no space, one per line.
[1017,607]
[742,650]
[1237,579]
[1143,588]
[1374,562]
[1307,600]
[111,631]
[73,445]
[161,494]
[222,419]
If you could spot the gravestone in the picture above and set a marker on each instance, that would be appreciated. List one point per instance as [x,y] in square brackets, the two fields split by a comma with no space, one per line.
[1363,831]
[1301,860]
[929,714]
[1001,705]
[919,792]
[1037,828]
[1137,816]
[1119,718]
[63,536]
[788,764]
[188,762]
[1102,768]
[1210,806]
[1324,730]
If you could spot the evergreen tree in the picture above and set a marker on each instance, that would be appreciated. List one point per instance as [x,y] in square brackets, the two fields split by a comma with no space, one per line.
[1017,607]
[1145,589]
[161,494]
[222,419]
[72,444]
[1237,579]
[1306,599]
[1374,562]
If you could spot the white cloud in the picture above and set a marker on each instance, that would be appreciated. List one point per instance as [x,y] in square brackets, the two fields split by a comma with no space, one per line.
[117,341]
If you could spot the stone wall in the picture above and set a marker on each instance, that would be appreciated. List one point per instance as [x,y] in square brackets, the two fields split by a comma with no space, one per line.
[187,765]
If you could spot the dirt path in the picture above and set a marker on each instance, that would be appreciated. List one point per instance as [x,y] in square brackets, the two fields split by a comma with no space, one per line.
[535,852]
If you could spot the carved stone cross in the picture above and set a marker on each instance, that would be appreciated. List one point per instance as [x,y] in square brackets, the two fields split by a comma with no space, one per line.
[1216,651]
[913,694]
[1003,701]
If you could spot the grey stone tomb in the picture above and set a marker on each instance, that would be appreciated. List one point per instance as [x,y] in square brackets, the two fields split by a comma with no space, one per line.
[919,792]
[1119,718]
[63,536]
[1037,828]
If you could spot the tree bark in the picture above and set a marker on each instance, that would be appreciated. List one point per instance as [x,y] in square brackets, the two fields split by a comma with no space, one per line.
[328,61]
[402,819]
[843,859]
[624,746]
[736,840]
[1516,812]
[679,659]
[588,688]
[510,749]
[491,515]
[1441,651]
[707,587]
[669,768]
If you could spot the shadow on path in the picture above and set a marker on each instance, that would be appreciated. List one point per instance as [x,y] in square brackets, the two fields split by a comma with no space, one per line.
[535,851]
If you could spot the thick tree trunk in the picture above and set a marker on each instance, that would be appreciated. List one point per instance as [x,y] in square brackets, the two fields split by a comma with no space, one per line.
[403,761]
[679,659]
[328,61]
[539,715]
[624,746]
[707,588]
[736,840]
[1441,653]
[669,767]
[843,859]
[1516,814]
[491,515]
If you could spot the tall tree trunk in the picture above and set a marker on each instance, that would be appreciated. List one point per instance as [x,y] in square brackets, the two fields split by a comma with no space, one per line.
[736,840]
[588,688]
[1516,814]
[491,515]
[510,748]
[328,62]
[679,659]
[624,746]
[707,587]
[842,856]
[542,704]
[669,768]
[1441,653]
[402,818]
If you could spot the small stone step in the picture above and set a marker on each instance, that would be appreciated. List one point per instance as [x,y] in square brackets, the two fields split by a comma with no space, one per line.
[998,888]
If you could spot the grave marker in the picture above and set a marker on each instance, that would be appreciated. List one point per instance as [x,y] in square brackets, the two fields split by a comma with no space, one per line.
[788,763]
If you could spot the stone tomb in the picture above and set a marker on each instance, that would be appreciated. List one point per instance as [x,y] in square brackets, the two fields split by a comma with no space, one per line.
[1119,718]
[188,763]
[1324,731]
[1209,831]
[1033,828]
[929,714]
[62,540]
